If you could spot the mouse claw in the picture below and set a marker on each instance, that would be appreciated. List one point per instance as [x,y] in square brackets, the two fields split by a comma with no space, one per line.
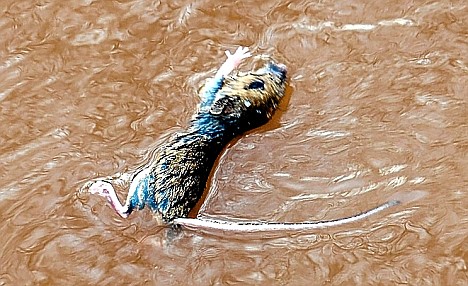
[86,186]
[234,60]
[100,188]
[240,54]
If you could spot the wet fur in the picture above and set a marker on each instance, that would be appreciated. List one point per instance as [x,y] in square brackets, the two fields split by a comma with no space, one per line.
[175,181]
[177,178]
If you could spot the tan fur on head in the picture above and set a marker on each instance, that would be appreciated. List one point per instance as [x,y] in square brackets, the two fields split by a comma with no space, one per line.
[257,91]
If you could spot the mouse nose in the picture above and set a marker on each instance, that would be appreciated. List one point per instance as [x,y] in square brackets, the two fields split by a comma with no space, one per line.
[278,69]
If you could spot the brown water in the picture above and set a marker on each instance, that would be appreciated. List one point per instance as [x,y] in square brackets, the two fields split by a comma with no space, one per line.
[376,110]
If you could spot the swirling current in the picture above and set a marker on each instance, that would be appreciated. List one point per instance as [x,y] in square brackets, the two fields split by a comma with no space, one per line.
[376,110]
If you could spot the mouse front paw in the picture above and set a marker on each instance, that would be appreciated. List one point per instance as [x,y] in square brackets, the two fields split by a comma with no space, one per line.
[239,55]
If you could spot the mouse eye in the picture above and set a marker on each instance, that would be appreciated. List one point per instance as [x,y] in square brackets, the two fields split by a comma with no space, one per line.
[258,84]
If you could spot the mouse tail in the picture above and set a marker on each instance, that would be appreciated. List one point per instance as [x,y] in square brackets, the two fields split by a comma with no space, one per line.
[256,226]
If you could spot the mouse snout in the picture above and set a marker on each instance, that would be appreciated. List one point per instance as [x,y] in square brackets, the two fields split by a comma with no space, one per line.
[279,69]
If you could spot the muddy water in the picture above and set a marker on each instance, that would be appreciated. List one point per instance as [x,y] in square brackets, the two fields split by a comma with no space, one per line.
[376,110]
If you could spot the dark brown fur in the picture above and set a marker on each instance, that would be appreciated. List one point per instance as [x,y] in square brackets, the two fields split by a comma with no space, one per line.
[174,182]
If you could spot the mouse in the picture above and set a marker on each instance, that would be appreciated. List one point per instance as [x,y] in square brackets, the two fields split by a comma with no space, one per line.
[175,180]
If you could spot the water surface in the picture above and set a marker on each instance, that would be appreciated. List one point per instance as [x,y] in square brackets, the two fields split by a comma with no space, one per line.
[376,110]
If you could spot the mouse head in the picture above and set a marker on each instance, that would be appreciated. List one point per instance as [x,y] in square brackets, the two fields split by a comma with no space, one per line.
[249,100]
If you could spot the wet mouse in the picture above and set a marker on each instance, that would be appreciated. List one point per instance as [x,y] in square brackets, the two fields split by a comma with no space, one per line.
[172,184]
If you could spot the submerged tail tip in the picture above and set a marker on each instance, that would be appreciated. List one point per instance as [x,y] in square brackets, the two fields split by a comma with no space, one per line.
[392,203]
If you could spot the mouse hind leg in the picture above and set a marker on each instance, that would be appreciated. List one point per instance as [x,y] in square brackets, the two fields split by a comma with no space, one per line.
[105,189]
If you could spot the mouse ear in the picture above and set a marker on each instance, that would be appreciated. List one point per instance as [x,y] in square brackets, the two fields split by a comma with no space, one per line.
[225,105]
